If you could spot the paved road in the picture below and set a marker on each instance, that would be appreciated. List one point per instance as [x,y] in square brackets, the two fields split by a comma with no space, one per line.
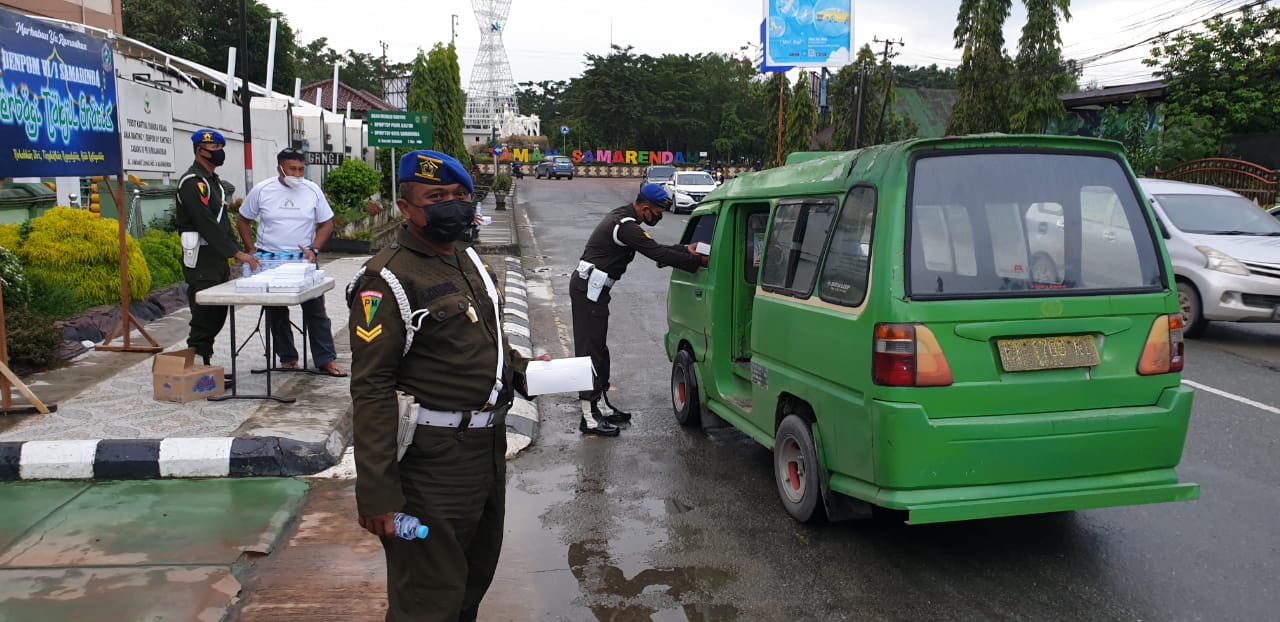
[670,524]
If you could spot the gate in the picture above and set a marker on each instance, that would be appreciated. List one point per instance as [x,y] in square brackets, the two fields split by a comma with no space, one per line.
[1245,178]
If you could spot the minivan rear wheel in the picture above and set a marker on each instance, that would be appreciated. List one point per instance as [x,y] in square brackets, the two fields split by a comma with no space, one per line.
[796,470]
[684,390]
[1192,309]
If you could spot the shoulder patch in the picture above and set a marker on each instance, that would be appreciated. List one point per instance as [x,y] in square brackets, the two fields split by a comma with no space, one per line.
[370,299]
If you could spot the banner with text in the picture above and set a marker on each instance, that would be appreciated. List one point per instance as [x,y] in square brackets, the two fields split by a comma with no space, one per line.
[146,128]
[57,100]
[399,129]
[808,34]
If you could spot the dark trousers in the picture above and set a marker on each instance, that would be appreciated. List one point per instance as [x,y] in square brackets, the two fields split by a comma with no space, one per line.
[590,333]
[319,332]
[457,487]
[206,320]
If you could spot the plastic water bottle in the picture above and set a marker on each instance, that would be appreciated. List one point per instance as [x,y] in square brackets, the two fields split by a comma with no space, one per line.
[410,528]
[245,270]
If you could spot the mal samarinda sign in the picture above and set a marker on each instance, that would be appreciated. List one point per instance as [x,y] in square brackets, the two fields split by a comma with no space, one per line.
[57,101]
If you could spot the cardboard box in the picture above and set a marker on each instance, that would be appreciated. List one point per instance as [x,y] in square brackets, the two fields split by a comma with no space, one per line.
[176,378]
[560,376]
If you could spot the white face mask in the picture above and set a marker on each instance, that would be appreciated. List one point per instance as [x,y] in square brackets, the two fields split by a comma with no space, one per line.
[292,182]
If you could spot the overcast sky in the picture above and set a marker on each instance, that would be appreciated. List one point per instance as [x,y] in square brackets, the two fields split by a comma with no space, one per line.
[546,40]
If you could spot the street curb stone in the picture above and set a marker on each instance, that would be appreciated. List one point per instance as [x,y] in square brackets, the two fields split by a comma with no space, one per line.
[264,456]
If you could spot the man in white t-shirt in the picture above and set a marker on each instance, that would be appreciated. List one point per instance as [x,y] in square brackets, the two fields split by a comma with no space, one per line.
[293,216]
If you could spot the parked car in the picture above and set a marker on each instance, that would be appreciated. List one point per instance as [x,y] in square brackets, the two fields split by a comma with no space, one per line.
[554,167]
[1225,252]
[871,318]
[688,188]
[658,174]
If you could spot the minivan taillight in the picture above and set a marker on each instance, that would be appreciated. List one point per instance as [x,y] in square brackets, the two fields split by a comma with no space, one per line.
[1163,352]
[908,355]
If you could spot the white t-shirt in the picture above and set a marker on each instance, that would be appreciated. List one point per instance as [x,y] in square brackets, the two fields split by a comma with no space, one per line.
[287,216]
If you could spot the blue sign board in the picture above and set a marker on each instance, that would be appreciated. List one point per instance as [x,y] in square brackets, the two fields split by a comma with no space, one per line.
[564,129]
[765,67]
[808,34]
[57,101]
[498,150]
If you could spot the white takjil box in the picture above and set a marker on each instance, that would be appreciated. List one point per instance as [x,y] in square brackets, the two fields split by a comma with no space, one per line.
[560,376]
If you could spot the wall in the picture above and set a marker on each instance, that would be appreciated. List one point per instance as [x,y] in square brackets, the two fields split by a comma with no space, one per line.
[100,13]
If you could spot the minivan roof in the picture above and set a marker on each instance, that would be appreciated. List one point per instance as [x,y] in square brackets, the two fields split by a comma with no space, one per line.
[827,172]
[1168,186]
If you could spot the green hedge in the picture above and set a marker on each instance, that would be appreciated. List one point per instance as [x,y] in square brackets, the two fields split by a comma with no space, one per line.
[163,252]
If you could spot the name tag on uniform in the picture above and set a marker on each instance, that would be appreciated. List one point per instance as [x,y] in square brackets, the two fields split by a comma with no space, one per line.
[471,313]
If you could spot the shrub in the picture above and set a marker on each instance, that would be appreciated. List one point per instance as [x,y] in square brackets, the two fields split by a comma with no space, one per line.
[11,237]
[166,221]
[31,337]
[17,291]
[349,187]
[76,250]
[501,183]
[163,252]
[54,300]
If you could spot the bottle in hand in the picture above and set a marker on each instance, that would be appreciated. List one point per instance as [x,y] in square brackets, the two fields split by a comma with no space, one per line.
[409,527]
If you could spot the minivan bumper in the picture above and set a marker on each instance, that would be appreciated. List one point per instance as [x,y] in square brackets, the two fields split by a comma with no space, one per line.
[1002,465]
[1237,298]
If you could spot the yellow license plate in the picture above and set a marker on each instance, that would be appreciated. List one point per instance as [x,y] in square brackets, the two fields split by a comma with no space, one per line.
[1048,352]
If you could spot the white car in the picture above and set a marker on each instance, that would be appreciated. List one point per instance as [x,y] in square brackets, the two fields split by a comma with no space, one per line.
[687,189]
[1225,251]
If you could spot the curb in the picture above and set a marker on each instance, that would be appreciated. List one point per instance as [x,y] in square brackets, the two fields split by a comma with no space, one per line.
[266,456]
[522,419]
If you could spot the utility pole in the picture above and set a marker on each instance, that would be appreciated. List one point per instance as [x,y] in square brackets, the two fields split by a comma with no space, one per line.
[383,74]
[888,88]
[453,30]
[857,122]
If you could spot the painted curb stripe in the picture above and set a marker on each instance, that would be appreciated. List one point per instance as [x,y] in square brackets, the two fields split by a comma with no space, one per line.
[195,457]
[58,459]
[10,461]
[127,459]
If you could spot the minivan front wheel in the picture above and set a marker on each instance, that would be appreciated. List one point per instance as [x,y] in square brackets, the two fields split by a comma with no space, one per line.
[1192,309]
[796,470]
[684,390]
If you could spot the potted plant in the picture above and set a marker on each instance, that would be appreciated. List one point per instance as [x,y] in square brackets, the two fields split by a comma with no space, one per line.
[501,186]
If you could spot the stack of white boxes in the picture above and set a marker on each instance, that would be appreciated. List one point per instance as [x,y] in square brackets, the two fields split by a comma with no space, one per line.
[285,278]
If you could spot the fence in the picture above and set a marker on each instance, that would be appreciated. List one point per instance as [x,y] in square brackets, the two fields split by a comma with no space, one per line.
[1250,180]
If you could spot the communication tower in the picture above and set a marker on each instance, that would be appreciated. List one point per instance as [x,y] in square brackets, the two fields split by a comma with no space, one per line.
[493,91]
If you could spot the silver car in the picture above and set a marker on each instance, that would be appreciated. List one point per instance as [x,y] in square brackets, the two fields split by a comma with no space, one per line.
[1225,251]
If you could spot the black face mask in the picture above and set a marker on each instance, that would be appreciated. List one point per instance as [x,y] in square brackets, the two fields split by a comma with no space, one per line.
[216,158]
[447,221]
[653,218]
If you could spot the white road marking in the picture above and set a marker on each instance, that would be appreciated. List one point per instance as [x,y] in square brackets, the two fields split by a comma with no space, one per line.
[1231,396]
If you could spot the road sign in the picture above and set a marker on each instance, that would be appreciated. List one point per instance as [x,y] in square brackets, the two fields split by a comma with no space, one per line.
[325,158]
[497,150]
[564,129]
[399,129]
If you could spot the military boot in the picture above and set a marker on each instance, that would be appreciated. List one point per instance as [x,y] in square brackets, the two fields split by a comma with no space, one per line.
[593,422]
[612,414]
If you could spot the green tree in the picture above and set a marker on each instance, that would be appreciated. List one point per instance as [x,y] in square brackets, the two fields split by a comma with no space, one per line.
[421,96]
[450,105]
[982,105]
[203,30]
[1223,80]
[802,120]
[776,127]
[1041,78]
[931,77]
[854,129]
[1131,127]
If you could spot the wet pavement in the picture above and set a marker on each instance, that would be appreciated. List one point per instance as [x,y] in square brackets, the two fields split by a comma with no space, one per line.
[143,550]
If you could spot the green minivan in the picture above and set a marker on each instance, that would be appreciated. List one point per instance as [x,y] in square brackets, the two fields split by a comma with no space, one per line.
[942,327]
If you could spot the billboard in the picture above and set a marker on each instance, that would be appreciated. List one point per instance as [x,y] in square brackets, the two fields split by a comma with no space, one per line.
[146,128]
[399,129]
[57,101]
[808,33]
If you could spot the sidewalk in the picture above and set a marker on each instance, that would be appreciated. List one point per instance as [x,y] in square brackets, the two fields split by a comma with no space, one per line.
[107,426]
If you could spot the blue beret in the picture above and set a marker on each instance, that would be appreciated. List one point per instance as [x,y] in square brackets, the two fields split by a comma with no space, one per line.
[432,167]
[207,136]
[657,195]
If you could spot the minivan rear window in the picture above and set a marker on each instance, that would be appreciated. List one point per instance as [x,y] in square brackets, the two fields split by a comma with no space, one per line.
[987,224]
